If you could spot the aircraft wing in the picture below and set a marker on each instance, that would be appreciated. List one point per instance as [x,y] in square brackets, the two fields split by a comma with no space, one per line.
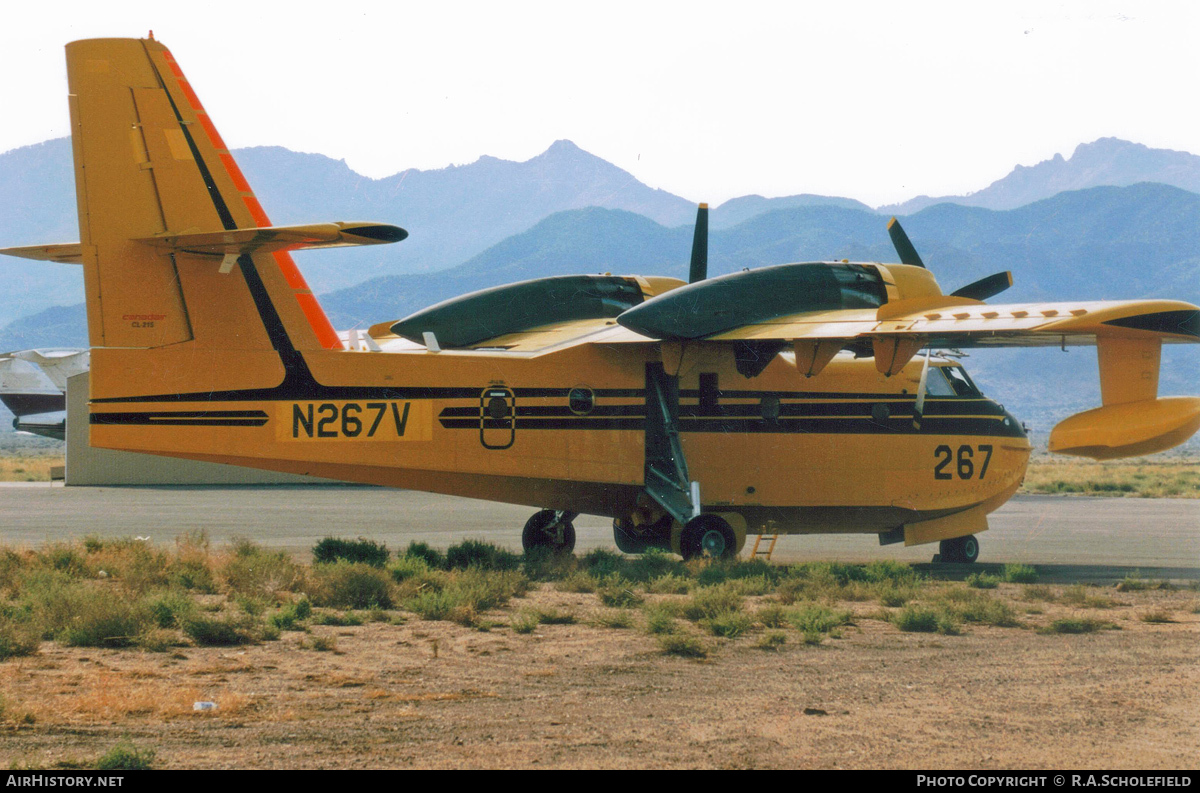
[976,324]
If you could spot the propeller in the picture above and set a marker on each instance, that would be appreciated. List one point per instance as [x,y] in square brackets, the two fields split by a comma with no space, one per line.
[982,289]
[699,269]
[985,287]
[908,254]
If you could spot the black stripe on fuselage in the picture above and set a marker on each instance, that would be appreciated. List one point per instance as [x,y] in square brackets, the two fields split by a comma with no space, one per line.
[896,425]
[185,418]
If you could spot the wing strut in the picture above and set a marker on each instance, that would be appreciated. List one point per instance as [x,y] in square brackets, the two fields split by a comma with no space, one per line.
[666,468]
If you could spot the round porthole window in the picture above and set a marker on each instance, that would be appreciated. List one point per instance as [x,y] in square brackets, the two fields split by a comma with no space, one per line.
[497,408]
[581,401]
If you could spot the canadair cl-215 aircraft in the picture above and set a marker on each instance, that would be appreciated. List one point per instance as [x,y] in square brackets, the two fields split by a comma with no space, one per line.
[788,399]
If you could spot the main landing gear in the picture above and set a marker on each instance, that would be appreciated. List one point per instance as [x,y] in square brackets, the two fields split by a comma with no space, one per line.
[708,536]
[550,529]
[961,550]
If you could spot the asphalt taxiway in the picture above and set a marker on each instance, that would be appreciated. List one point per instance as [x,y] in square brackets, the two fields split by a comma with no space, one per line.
[1068,537]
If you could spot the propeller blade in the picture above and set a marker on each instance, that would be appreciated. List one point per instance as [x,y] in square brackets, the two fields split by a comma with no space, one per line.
[985,287]
[699,270]
[919,408]
[908,254]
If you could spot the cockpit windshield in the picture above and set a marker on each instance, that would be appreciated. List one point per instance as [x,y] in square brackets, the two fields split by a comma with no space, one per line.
[950,381]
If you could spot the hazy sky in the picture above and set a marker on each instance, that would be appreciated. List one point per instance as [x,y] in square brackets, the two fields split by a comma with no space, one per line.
[709,100]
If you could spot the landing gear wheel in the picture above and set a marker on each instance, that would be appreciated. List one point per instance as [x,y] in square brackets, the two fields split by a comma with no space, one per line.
[549,529]
[962,550]
[627,541]
[708,536]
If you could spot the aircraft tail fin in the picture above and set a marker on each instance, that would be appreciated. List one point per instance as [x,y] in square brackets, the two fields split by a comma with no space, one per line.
[150,166]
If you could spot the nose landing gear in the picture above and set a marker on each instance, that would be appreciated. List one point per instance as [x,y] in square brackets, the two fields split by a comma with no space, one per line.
[962,550]
[550,529]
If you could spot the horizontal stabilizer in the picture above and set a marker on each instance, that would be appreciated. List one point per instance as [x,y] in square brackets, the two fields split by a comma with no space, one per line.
[237,242]
[270,239]
[62,253]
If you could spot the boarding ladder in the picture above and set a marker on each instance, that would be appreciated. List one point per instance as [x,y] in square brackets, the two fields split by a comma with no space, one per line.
[769,541]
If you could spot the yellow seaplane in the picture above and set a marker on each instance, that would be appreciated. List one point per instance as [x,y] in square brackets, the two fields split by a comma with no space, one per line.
[791,399]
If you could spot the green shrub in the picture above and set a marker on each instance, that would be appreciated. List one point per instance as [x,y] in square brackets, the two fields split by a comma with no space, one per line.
[482,555]
[971,606]
[191,574]
[815,618]
[407,567]
[224,631]
[772,640]
[683,644]
[708,602]
[1078,595]
[1019,574]
[618,592]
[336,618]
[423,551]
[654,563]
[728,624]
[578,581]
[552,616]
[360,551]
[660,619]
[104,618]
[12,570]
[982,581]
[892,595]
[64,558]
[547,564]
[257,572]
[1156,616]
[290,617]
[351,585]
[615,618]
[920,619]
[169,609]
[525,622]
[772,616]
[888,570]
[601,563]
[669,584]
[18,635]
[1075,625]
[465,593]
[324,644]
[126,757]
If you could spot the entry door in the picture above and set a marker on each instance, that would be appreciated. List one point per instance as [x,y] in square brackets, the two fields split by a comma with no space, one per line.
[497,418]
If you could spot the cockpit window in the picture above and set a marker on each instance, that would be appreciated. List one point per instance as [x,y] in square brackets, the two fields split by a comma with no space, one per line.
[949,381]
[936,383]
[959,381]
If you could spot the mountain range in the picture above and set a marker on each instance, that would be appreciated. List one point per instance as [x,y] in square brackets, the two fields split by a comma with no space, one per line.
[1107,161]
[456,213]
[567,211]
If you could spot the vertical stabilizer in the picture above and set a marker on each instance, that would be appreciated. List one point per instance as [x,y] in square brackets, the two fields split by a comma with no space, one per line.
[149,162]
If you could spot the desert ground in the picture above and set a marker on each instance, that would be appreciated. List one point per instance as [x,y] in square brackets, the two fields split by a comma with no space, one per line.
[592,661]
